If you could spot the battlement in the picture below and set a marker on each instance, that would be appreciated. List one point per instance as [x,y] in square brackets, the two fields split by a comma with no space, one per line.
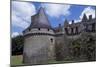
[75,28]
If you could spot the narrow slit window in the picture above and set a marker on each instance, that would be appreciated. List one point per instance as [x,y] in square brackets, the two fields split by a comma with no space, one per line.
[76,30]
[38,28]
[71,30]
[66,30]
[48,29]
[29,29]
[51,40]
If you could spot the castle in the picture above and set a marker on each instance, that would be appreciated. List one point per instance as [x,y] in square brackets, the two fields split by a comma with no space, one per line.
[40,38]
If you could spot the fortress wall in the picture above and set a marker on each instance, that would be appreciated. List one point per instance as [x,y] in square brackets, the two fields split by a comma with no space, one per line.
[73,36]
[38,49]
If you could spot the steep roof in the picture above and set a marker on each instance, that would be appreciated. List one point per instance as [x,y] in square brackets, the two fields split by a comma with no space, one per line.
[84,19]
[40,20]
[66,22]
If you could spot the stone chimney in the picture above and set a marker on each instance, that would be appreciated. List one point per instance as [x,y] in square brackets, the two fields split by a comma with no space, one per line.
[72,21]
[59,25]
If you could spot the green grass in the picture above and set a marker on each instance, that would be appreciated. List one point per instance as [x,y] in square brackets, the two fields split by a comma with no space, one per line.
[59,62]
[16,60]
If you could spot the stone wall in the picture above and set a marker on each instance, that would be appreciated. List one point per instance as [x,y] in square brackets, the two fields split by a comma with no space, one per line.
[44,44]
[67,45]
[38,48]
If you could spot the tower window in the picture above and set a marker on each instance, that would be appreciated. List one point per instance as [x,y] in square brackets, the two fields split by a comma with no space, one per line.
[72,30]
[51,40]
[38,28]
[29,29]
[93,27]
[76,30]
[66,30]
[48,29]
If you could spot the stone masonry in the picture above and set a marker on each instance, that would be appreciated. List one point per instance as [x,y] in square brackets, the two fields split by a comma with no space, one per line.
[40,38]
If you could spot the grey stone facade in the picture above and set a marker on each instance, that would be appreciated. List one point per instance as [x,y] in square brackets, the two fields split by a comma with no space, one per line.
[40,38]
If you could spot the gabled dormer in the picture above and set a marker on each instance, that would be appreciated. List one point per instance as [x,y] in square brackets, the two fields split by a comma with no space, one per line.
[84,19]
[66,23]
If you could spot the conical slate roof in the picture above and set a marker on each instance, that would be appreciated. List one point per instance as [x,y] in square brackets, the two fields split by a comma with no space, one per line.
[40,20]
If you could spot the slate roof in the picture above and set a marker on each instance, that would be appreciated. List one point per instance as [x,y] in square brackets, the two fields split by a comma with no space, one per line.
[40,20]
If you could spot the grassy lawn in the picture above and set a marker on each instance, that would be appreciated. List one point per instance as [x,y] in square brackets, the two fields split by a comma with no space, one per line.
[59,62]
[16,60]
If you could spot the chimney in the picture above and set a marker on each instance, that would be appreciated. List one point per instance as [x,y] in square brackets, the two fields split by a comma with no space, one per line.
[90,17]
[72,21]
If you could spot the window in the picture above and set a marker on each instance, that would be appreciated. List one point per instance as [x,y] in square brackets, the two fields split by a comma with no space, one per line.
[71,30]
[66,30]
[93,27]
[76,30]
[38,28]
[48,29]
[86,28]
[51,40]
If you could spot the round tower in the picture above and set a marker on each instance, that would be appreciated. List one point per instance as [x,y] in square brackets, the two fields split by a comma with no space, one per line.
[38,40]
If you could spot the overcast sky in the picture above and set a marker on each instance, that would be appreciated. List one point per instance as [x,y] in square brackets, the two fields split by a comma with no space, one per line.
[57,13]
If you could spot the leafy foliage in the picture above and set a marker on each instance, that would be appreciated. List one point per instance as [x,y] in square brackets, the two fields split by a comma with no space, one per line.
[17,45]
[82,48]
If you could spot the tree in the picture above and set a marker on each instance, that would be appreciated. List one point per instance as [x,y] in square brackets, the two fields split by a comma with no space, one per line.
[84,46]
[17,45]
